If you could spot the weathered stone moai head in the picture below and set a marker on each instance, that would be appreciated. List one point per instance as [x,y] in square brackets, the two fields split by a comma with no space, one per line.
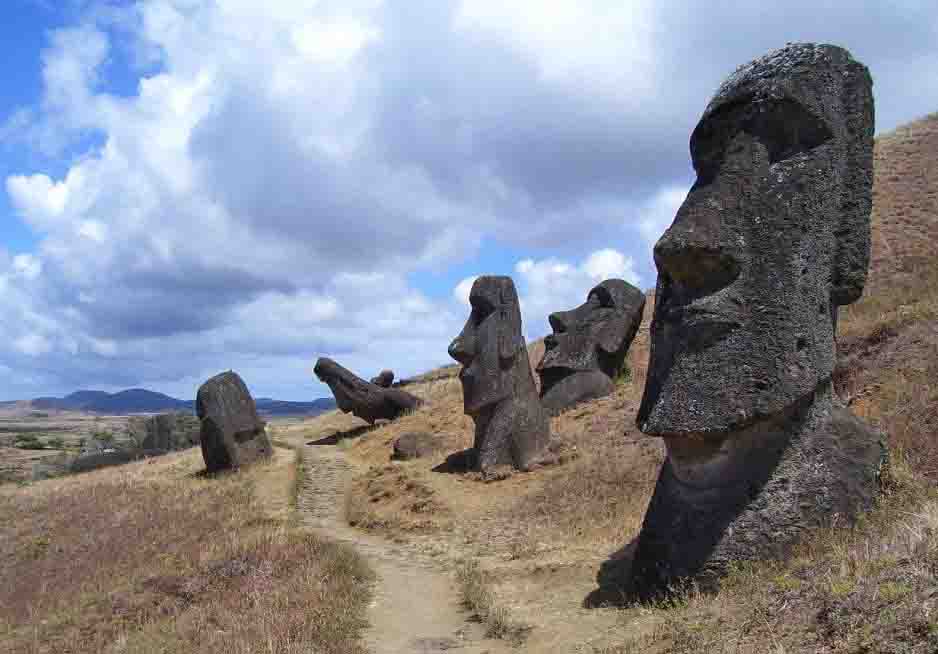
[384,379]
[498,388]
[773,236]
[366,400]
[588,345]
[231,434]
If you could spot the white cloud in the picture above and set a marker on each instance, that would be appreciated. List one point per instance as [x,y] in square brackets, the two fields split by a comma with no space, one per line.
[33,344]
[28,266]
[462,290]
[658,213]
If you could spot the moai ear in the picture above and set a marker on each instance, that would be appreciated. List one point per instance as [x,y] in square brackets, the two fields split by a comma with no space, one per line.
[853,231]
[507,344]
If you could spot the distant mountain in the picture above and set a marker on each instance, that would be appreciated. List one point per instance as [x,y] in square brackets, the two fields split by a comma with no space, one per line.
[140,400]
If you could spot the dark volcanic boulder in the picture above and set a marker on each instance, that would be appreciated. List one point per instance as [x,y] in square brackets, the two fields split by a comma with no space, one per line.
[232,434]
[384,379]
[368,401]
[414,445]
[171,431]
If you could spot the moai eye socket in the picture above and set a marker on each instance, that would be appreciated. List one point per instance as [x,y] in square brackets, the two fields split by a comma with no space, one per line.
[787,128]
[481,309]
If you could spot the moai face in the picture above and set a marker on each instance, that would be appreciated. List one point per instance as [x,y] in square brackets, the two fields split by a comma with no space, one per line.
[772,237]
[489,343]
[592,337]
[348,389]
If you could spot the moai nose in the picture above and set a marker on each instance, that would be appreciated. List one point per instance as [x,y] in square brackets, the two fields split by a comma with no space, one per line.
[459,351]
[690,251]
[558,322]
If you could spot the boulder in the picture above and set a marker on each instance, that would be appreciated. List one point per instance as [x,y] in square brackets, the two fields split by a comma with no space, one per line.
[414,445]
[231,433]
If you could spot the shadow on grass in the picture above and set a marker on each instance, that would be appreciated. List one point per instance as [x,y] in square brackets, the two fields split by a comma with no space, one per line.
[614,580]
[457,463]
[335,437]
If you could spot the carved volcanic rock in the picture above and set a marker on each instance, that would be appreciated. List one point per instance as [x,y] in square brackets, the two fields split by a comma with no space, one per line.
[511,426]
[384,379]
[368,401]
[585,352]
[232,434]
[772,238]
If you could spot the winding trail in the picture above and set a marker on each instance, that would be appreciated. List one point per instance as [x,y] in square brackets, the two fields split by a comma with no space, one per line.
[416,607]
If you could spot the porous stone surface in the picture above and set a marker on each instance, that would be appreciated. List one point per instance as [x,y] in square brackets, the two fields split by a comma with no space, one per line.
[584,354]
[511,426]
[414,445]
[170,431]
[772,238]
[368,401]
[231,434]
[384,379]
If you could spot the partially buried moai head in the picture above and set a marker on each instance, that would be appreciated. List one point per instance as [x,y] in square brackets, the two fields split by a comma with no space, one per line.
[772,238]
[489,343]
[589,343]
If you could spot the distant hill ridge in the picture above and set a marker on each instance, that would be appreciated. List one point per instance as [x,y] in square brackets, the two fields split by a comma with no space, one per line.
[141,400]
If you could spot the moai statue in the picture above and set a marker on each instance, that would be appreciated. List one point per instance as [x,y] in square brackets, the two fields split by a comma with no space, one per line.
[588,345]
[368,401]
[512,427]
[774,235]
[232,434]
[384,379]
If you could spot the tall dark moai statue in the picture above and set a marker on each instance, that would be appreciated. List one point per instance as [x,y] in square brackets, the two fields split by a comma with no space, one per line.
[511,426]
[584,354]
[231,434]
[367,400]
[772,238]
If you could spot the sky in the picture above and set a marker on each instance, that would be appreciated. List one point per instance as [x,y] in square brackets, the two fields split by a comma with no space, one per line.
[191,186]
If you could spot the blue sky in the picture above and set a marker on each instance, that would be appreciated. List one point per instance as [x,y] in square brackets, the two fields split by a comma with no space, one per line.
[188,186]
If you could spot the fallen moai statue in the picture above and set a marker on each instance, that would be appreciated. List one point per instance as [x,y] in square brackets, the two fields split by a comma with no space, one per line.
[232,434]
[584,354]
[772,238]
[511,426]
[368,401]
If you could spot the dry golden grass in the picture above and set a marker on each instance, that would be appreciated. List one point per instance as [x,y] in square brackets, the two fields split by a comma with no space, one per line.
[157,557]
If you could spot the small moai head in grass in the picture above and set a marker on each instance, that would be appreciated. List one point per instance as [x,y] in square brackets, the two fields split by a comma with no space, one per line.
[584,354]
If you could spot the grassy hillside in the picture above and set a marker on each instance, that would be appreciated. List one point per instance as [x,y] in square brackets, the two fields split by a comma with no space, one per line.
[156,557]
[539,541]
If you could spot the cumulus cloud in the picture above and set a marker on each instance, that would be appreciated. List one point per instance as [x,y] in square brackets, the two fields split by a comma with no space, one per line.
[284,175]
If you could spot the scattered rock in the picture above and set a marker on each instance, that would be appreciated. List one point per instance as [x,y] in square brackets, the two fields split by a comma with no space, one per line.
[584,354]
[511,426]
[414,445]
[368,401]
[772,238]
[232,434]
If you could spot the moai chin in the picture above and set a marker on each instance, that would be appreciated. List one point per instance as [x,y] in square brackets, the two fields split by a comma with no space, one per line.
[511,426]
[584,354]
[774,235]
